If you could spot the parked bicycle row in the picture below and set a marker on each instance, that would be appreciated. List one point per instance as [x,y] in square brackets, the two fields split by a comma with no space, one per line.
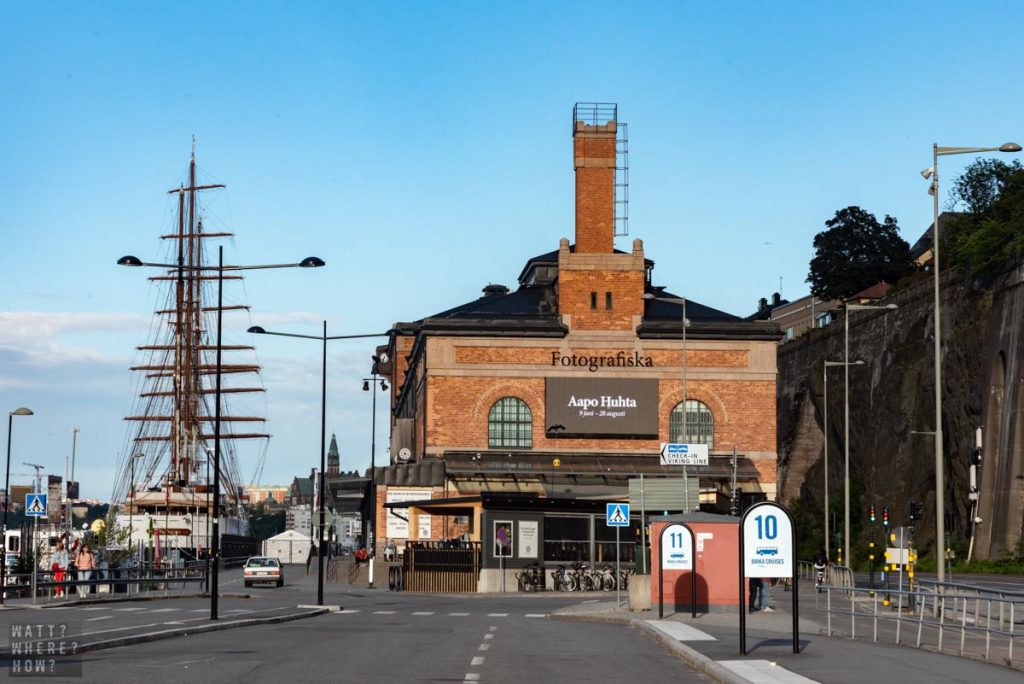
[576,577]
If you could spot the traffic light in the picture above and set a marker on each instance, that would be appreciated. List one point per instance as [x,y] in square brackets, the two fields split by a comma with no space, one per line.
[871,513]
[916,511]
[885,516]
[976,456]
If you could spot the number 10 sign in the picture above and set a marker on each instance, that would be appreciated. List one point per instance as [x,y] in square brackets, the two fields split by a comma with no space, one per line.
[767,541]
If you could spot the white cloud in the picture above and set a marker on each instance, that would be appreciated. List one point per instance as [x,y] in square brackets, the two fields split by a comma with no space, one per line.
[41,337]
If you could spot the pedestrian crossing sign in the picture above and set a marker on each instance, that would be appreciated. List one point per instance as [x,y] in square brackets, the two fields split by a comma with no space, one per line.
[35,505]
[617,514]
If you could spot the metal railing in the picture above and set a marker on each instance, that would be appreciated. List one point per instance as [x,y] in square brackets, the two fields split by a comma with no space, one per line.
[949,618]
[836,576]
[144,578]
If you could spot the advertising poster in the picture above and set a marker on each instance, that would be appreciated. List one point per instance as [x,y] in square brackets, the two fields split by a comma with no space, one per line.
[597,407]
[396,527]
[528,540]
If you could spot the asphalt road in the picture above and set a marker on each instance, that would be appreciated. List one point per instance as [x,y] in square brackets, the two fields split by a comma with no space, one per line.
[386,637]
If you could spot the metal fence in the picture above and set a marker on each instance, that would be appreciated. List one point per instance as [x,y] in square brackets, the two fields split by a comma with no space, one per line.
[442,566]
[147,578]
[949,618]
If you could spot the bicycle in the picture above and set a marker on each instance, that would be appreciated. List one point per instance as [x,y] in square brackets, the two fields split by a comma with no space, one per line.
[531,578]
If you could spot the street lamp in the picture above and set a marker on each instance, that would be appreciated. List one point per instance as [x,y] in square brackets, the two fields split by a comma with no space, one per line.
[7,498]
[308,262]
[933,189]
[824,375]
[257,330]
[686,436]
[846,410]
[368,385]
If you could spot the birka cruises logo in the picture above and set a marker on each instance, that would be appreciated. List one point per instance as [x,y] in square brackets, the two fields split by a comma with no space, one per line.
[620,359]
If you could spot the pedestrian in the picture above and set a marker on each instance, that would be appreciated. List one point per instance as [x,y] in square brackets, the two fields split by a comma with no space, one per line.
[766,595]
[362,555]
[86,563]
[754,593]
[390,551]
[60,568]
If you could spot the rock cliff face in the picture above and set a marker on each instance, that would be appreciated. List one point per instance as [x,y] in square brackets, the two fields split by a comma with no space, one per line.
[892,414]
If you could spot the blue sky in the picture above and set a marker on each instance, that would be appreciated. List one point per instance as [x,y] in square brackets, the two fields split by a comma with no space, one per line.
[423,150]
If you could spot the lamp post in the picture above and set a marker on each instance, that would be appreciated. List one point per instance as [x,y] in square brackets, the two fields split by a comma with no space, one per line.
[324,338]
[940,485]
[846,410]
[308,262]
[685,322]
[824,375]
[370,385]
[7,497]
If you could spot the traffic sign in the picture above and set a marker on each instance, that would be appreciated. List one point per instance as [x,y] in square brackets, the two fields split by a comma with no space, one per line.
[674,453]
[768,541]
[677,548]
[35,505]
[617,514]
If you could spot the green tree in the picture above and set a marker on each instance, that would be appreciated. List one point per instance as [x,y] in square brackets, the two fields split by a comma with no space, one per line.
[855,252]
[264,525]
[990,235]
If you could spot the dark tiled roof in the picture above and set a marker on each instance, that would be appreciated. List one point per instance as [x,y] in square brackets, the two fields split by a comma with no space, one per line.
[526,301]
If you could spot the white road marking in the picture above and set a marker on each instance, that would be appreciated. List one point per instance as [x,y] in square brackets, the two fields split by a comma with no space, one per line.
[472,677]
[484,647]
[497,615]
[423,612]
[169,610]
[489,635]
[97,608]
[458,614]
[492,628]
[384,612]
[102,617]
[129,610]
[477,660]
[591,600]
[680,631]
[536,615]
[348,611]
[763,672]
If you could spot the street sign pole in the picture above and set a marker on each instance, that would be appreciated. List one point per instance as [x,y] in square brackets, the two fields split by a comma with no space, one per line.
[618,569]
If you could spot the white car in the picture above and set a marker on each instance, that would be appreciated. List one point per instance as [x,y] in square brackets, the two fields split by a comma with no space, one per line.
[263,569]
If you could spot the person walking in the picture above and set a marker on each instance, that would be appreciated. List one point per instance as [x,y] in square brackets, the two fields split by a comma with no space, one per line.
[754,593]
[766,595]
[60,568]
[86,563]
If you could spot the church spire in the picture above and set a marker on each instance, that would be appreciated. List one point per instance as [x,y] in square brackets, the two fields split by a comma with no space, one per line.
[333,458]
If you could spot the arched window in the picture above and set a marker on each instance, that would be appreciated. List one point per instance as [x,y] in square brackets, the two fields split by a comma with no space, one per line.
[510,424]
[700,424]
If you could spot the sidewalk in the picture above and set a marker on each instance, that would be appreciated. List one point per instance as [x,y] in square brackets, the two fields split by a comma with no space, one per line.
[711,644]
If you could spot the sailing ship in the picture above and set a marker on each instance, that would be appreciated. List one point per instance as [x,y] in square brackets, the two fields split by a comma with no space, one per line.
[164,489]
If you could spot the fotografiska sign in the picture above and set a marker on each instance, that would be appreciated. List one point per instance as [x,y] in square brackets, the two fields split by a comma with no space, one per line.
[592,362]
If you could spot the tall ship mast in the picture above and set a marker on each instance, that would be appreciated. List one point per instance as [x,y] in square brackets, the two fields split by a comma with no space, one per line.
[164,488]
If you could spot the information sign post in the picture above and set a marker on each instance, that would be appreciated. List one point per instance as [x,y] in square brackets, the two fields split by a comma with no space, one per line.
[675,552]
[767,551]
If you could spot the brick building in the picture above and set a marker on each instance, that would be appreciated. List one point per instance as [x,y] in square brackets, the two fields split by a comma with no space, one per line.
[565,387]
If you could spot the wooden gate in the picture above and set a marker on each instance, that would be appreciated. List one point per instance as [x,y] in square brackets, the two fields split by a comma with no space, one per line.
[442,566]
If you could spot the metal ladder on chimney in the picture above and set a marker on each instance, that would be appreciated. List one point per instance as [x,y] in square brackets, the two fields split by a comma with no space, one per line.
[621,180]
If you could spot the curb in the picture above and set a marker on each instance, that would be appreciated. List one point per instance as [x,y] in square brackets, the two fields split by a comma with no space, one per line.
[199,629]
[693,657]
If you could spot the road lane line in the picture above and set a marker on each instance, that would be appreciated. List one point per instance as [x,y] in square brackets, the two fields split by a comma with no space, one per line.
[536,615]
[484,647]
[497,615]
[423,612]
[471,677]
[102,617]
[458,614]
[384,612]
[477,660]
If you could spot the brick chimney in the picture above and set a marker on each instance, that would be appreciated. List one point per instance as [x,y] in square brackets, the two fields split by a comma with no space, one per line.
[594,161]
